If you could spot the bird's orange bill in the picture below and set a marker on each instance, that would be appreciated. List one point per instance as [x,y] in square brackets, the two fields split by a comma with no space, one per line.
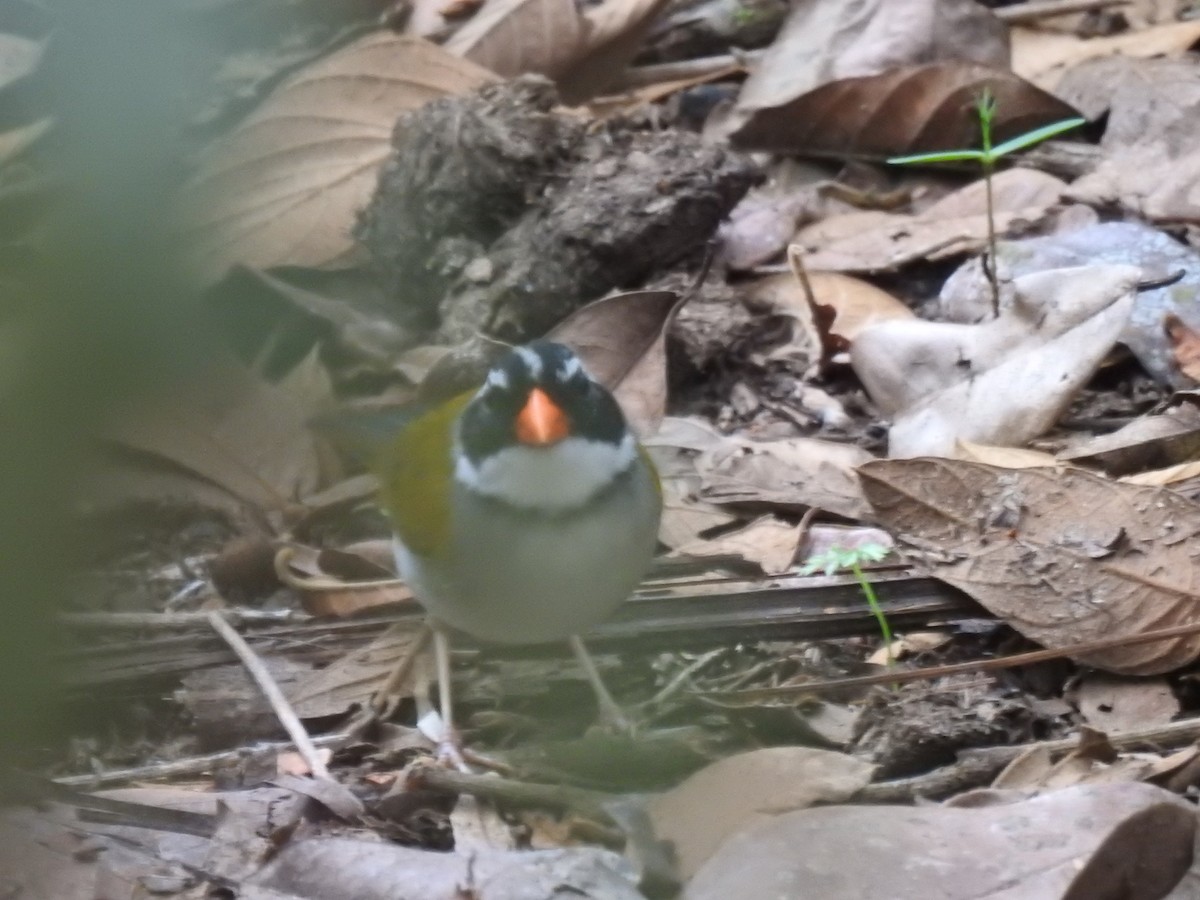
[541,421]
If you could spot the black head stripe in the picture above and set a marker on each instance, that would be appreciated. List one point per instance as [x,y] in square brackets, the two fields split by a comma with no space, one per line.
[487,424]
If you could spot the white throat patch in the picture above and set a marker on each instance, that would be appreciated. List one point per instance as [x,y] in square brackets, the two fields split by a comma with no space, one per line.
[558,477]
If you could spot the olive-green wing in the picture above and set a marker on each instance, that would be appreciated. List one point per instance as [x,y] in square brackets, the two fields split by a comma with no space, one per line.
[416,473]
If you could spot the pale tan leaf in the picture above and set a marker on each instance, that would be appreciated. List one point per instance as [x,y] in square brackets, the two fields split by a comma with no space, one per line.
[512,37]
[1062,556]
[768,542]
[1043,56]
[730,795]
[1004,457]
[284,187]
[1169,475]
[615,32]
[622,342]
[874,241]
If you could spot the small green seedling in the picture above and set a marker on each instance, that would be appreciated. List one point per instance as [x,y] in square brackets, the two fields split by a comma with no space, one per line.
[852,558]
[987,156]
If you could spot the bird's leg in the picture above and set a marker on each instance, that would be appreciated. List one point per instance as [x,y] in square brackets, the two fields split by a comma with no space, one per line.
[611,715]
[449,746]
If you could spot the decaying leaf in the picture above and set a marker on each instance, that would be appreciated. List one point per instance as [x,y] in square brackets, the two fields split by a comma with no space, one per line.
[337,582]
[1150,165]
[873,241]
[513,37]
[1061,556]
[233,432]
[1004,381]
[768,542]
[615,30]
[284,187]
[1150,442]
[1003,457]
[822,43]
[966,296]
[1042,55]
[912,109]
[1114,703]
[622,342]
[732,794]
[353,678]
[1185,345]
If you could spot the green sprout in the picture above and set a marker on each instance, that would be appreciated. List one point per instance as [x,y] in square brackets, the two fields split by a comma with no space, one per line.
[987,156]
[852,558]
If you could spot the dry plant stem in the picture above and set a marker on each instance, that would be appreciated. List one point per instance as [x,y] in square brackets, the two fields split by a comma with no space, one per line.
[983,665]
[172,621]
[589,804]
[192,765]
[283,710]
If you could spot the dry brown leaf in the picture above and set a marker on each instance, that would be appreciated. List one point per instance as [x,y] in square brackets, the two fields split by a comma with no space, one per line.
[1185,345]
[767,542]
[284,187]
[728,796]
[615,31]
[828,42]
[1061,556]
[235,431]
[1113,703]
[873,241]
[792,473]
[913,109]
[1043,56]
[512,37]
[622,342]
[338,583]
[353,678]
[1149,442]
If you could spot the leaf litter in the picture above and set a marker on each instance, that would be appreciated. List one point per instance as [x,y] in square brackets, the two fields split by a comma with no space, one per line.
[779,429]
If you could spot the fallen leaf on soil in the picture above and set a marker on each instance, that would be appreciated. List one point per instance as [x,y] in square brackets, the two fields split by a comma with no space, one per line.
[284,187]
[904,110]
[1003,457]
[760,227]
[1114,703]
[353,678]
[614,33]
[1151,166]
[1004,381]
[768,542]
[966,296]
[735,793]
[908,645]
[622,342]
[1062,556]
[1042,56]
[1150,442]
[513,37]
[792,473]
[874,241]
[841,306]
[1093,762]
[1169,475]
[1071,844]
[1185,345]
[232,431]
[325,591]
[828,42]
[675,448]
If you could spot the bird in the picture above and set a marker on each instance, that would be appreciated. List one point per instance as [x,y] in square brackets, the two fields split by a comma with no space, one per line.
[523,512]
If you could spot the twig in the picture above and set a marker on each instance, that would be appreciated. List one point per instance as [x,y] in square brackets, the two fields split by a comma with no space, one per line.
[279,703]
[981,665]
[192,765]
[170,621]
[1044,9]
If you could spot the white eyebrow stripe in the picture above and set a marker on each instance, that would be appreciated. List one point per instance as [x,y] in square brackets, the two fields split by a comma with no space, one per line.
[532,361]
[570,368]
[497,378]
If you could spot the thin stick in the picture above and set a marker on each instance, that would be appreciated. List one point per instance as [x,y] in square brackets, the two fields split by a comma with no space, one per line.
[1033,11]
[610,711]
[279,703]
[981,665]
